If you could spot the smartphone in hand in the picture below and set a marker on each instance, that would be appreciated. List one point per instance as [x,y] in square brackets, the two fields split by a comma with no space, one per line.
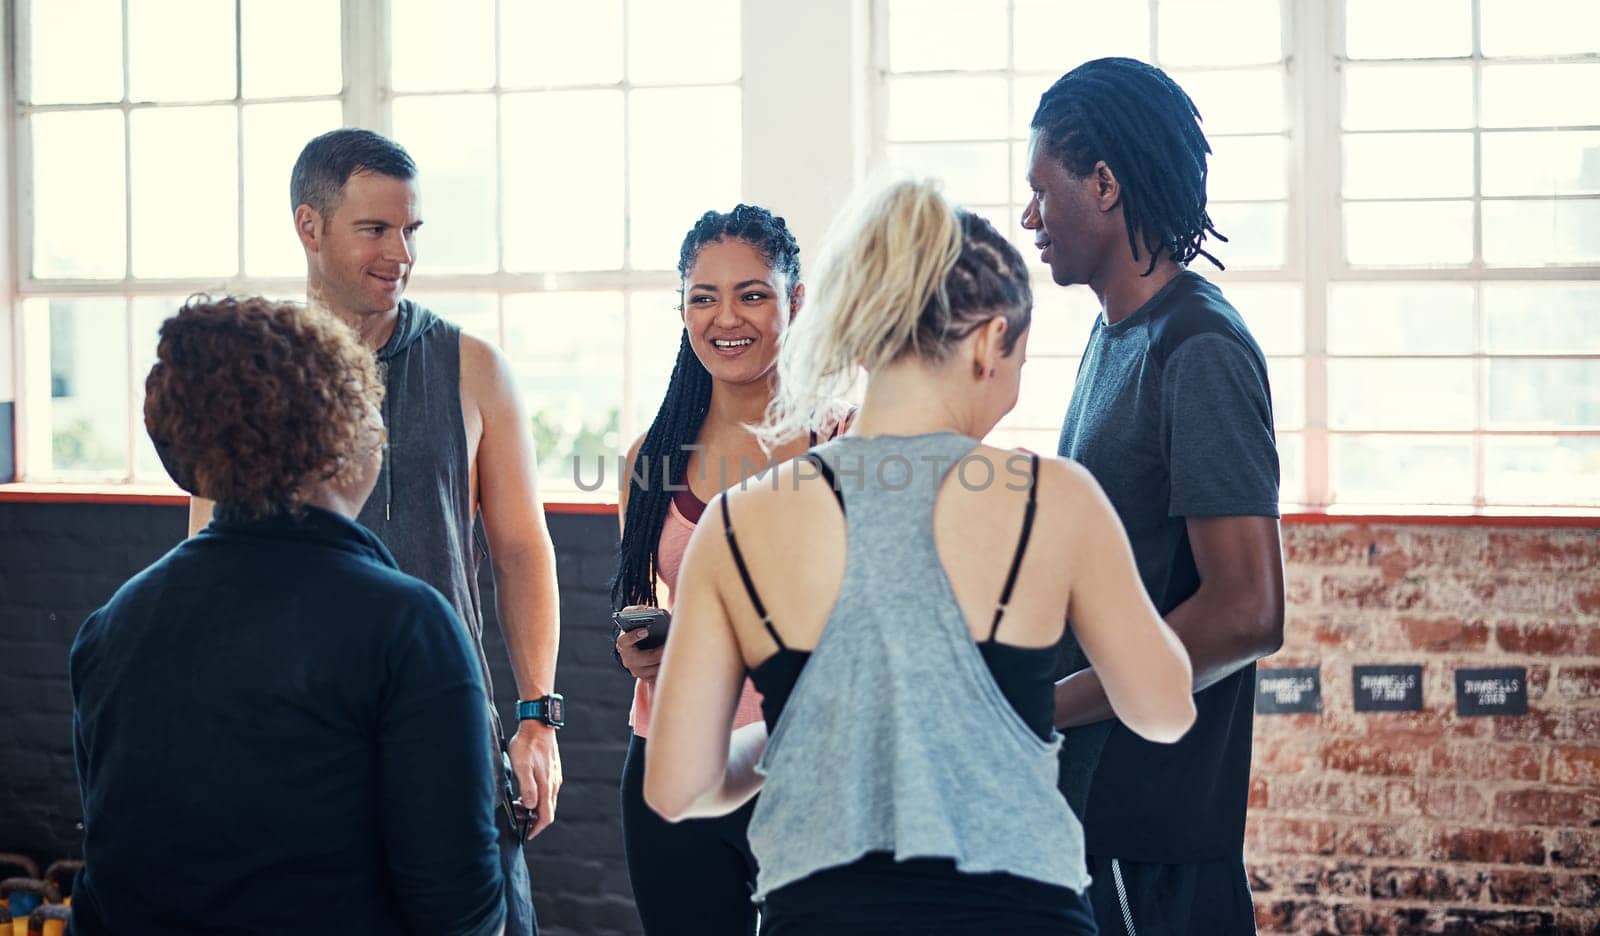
[655,619]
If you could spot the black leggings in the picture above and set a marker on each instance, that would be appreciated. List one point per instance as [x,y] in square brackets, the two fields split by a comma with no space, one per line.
[694,878]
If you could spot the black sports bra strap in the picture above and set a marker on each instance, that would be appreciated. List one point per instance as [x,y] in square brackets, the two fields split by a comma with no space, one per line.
[1022,545]
[827,475]
[744,575]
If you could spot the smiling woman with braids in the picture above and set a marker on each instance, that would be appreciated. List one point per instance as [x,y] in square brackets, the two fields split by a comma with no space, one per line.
[740,288]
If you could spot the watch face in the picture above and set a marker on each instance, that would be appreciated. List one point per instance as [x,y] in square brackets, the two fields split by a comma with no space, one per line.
[558,711]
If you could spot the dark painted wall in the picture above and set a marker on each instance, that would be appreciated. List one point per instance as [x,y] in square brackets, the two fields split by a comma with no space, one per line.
[60,561]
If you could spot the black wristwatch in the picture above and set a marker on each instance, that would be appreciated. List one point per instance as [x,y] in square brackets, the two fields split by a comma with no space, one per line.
[550,709]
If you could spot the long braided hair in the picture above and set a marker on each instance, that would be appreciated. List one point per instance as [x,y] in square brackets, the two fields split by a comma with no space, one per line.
[663,457]
[1147,130]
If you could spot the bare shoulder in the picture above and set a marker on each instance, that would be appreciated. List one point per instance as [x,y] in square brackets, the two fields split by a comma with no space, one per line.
[485,372]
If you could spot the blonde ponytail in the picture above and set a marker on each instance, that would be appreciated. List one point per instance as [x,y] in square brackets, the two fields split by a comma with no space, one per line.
[878,291]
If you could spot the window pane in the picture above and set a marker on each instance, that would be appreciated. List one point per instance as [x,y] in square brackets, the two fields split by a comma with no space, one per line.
[1046,391]
[973,173]
[1400,394]
[1408,233]
[1541,233]
[655,329]
[1274,314]
[563,204]
[1414,29]
[1537,318]
[1248,168]
[274,134]
[1536,394]
[79,199]
[669,194]
[441,46]
[1291,468]
[180,50]
[148,314]
[453,141]
[1400,470]
[172,236]
[1218,32]
[1049,35]
[1407,165]
[560,44]
[1535,470]
[291,48]
[946,34]
[1256,233]
[75,51]
[1543,162]
[478,313]
[1539,27]
[1540,95]
[682,42]
[1237,101]
[88,387]
[1400,318]
[1407,97]
[568,367]
[1062,319]
[1025,95]
[1287,377]
[947,108]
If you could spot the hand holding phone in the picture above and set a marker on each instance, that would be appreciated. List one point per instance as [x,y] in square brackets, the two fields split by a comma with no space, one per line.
[657,620]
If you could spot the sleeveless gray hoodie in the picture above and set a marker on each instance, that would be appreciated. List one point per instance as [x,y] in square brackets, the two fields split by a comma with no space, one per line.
[421,508]
[896,737]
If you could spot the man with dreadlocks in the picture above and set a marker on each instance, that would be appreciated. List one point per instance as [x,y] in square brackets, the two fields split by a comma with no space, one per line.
[1172,414]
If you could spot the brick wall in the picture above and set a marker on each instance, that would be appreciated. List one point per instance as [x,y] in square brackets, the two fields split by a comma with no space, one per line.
[1383,823]
[1426,822]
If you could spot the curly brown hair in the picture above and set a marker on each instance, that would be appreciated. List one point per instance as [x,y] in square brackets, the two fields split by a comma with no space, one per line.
[257,402]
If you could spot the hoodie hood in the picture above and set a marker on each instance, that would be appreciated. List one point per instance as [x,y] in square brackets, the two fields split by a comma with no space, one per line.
[414,321]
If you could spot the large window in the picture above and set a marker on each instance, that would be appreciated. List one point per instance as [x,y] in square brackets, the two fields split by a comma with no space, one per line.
[1411,192]
[1410,196]
[563,151]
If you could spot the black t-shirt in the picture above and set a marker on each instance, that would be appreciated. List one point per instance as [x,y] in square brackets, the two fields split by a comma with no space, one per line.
[1172,414]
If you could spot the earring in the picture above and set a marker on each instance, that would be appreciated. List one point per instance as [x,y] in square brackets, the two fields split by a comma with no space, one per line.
[991,373]
[977,370]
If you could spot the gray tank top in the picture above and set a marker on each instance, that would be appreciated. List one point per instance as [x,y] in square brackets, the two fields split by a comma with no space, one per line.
[422,506]
[896,737]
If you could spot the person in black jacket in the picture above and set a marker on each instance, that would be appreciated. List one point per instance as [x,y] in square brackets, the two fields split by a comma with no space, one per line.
[275,729]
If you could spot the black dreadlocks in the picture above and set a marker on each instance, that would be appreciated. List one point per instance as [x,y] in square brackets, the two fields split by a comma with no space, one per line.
[662,456]
[1147,130]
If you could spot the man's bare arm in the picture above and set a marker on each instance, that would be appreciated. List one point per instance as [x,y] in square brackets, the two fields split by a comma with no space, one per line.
[1234,619]
[524,563]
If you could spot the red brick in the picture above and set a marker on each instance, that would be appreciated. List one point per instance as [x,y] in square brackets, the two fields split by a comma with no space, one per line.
[1547,639]
[1294,916]
[1327,795]
[1294,836]
[1563,724]
[1484,761]
[1454,801]
[1433,634]
[1410,728]
[1461,921]
[1330,631]
[1577,922]
[1578,682]
[1385,920]
[1587,600]
[1517,592]
[1490,846]
[1443,885]
[1541,889]
[1352,590]
[1538,681]
[1431,548]
[1575,766]
[1385,840]
[1324,546]
[1575,848]
[1258,793]
[1281,754]
[1299,877]
[1362,757]
[1542,807]
[1545,550]
[1299,588]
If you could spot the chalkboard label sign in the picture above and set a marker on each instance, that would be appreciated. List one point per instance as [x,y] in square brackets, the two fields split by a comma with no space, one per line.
[1388,688]
[1288,691]
[1502,691]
